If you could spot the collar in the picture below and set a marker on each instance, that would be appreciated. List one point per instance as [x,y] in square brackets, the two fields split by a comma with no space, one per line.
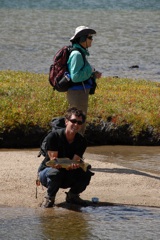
[84,50]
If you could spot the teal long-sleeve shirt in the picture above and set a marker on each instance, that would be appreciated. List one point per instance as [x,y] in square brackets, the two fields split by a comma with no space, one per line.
[79,71]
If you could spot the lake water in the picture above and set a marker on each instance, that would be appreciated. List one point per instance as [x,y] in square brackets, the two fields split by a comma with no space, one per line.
[128,34]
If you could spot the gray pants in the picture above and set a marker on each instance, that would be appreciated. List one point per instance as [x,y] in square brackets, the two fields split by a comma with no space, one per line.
[79,99]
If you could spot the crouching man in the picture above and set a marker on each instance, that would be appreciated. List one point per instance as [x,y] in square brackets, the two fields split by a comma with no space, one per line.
[66,143]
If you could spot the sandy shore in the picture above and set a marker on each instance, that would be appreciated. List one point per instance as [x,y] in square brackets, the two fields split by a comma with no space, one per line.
[111,183]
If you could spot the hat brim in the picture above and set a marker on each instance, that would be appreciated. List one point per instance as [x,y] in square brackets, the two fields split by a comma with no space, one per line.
[83,33]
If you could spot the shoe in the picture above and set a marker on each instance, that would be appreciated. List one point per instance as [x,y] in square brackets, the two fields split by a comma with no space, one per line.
[49,202]
[75,199]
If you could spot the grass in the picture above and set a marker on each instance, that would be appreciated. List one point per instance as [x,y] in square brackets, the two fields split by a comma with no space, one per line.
[27,100]
[128,101]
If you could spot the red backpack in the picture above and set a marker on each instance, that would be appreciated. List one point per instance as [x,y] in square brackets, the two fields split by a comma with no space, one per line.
[59,77]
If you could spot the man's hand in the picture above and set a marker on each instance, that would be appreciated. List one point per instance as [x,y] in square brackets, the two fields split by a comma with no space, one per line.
[73,166]
[56,165]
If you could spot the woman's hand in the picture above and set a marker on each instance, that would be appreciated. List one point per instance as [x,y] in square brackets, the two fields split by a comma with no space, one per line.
[97,74]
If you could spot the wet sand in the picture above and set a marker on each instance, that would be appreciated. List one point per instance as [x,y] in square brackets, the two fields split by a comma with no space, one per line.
[111,183]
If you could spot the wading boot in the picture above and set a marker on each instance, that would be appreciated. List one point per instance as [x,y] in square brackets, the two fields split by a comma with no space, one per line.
[49,202]
[75,199]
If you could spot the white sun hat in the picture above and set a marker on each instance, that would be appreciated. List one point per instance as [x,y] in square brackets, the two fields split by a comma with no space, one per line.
[82,31]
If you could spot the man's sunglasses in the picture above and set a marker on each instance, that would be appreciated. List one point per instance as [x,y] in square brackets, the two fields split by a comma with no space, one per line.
[90,37]
[76,121]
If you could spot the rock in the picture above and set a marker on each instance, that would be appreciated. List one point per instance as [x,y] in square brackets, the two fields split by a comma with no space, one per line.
[134,66]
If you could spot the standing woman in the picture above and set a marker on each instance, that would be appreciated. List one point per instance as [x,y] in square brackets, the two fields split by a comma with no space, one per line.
[81,72]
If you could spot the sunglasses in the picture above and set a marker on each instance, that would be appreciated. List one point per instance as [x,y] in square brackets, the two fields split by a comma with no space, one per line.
[76,121]
[90,37]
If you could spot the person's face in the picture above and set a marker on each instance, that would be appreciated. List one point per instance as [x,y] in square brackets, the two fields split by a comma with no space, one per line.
[89,40]
[74,124]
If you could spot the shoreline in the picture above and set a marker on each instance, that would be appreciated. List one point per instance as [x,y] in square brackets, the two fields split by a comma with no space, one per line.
[112,184]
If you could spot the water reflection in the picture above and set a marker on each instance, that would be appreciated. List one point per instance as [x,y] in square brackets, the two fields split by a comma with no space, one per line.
[115,222]
[62,224]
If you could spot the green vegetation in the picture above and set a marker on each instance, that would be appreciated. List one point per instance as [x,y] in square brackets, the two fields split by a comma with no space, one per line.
[28,100]
[128,101]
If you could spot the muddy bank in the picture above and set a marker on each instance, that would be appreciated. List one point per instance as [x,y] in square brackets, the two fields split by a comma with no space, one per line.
[105,133]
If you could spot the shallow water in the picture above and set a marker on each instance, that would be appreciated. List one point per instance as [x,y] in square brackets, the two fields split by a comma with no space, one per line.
[92,223]
[143,158]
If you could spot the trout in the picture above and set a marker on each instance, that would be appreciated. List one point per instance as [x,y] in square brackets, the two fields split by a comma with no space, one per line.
[66,162]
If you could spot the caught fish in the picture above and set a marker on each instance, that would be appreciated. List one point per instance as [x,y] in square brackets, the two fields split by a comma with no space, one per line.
[66,162]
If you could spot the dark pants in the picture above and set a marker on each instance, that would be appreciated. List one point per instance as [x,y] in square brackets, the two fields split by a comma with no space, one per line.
[53,179]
